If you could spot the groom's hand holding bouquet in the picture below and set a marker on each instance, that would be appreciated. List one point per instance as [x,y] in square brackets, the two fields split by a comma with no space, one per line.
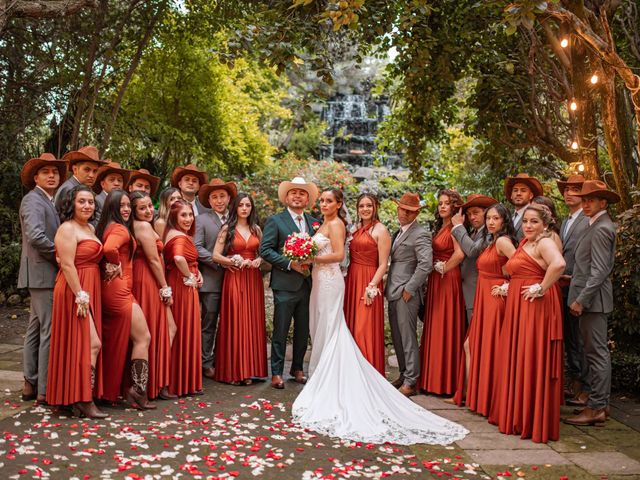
[301,249]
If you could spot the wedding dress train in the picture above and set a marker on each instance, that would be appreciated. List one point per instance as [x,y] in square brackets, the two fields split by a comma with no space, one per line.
[346,397]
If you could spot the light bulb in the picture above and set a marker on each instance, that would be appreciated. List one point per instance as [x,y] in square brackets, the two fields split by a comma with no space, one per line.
[573,105]
[574,145]
[594,79]
[564,43]
[580,167]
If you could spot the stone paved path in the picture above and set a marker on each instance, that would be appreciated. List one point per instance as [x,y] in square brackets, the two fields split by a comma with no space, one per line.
[246,431]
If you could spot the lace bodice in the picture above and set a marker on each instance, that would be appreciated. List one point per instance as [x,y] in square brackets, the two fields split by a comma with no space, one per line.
[324,271]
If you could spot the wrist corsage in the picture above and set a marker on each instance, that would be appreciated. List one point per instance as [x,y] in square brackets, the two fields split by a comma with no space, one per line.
[503,289]
[237,260]
[190,281]
[166,293]
[439,267]
[82,297]
[111,268]
[371,291]
[535,290]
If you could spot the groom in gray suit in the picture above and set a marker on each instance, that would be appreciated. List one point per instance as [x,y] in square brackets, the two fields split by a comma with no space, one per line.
[39,222]
[411,263]
[591,297]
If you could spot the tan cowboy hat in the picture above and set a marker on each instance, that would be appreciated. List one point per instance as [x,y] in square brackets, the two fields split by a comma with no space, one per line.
[409,201]
[216,184]
[299,183]
[85,154]
[31,167]
[190,169]
[596,188]
[144,173]
[111,167]
[572,181]
[478,200]
[531,182]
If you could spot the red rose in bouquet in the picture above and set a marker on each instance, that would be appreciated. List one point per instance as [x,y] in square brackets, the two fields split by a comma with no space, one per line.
[299,247]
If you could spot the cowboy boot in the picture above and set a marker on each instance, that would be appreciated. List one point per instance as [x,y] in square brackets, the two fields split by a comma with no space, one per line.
[89,409]
[137,393]
[165,394]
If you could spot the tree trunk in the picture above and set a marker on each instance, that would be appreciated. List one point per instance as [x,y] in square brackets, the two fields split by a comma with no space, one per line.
[40,9]
[613,138]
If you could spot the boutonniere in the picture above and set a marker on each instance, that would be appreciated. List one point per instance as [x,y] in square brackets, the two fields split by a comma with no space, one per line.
[315,226]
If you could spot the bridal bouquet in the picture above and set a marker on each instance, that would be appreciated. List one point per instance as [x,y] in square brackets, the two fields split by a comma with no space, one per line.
[299,247]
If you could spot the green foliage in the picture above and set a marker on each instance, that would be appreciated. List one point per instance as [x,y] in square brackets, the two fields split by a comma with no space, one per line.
[625,321]
[262,185]
[10,266]
[306,141]
[625,370]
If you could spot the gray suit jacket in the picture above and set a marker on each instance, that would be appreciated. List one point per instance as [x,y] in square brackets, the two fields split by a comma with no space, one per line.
[68,184]
[100,198]
[201,208]
[518,228]
[569,242]
[39,222]
[208,226]
[411,263]
[472,246]
[594,257]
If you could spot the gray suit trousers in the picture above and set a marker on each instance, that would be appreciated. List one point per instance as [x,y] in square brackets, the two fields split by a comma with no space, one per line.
[209,310]
[36,341]
[593,327]
[403,318]
[575,364]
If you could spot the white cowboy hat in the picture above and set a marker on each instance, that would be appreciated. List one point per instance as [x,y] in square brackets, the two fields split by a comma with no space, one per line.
[298,182]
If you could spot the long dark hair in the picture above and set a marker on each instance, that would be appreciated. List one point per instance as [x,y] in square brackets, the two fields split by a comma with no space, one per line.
[456,200]
[111,214]
[339,196]
[547,202]
[67,207]
[232,220]
[163,209]
[376,205]
[507,230]
[135,197]
[172,219]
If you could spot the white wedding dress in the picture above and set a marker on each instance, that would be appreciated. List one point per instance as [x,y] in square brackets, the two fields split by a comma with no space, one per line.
[345,396]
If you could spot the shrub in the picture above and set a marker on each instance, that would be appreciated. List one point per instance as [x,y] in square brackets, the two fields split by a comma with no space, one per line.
[10,266]
[625,367]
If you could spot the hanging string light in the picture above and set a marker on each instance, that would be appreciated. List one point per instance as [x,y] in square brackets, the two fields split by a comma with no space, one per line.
[564,43]
[581,167]
[594,78]
[574,145]
[573,106]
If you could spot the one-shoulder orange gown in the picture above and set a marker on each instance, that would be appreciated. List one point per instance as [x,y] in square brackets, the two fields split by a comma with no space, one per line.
[484,335]
[444,323]
[186,358]
[241,342]
[146,292]
[117,305]
[530,376]
[366,323]
[70,352]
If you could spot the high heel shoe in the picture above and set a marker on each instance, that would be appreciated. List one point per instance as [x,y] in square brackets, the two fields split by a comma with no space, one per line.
[87,409]
[137,393]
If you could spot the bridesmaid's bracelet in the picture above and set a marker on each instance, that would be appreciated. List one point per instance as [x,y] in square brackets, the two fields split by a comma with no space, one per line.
[82,297]
[166,293]
[190,281]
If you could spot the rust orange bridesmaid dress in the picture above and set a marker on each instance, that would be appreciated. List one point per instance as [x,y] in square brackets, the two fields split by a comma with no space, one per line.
[146,292]
[70,352]
[484,335]
[366,323]
[241,341]
[117,304]
[530,377]
[186,359]
[444,323]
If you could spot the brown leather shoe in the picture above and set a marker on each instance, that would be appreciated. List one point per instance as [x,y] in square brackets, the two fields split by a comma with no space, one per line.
[298,376]
[277,382]
[41,400]
[408,390]
[28,391]
[573,390]
[579,400]
[398,382]
[88,409]
[208,372]
[607,411]
[588,417]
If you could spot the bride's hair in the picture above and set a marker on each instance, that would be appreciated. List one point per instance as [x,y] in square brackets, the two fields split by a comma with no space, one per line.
[339,196]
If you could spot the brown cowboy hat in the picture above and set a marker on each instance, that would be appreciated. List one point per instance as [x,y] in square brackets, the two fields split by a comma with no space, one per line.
[409,201]
[144,173]
[531,182]
[597,188]
[572,181]
[299,183]
[478,200]
[111,167]
[216,184]
[190,169]
[31,167]
[85,154]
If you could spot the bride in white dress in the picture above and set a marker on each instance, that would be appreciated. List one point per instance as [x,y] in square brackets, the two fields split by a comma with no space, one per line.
[346,397]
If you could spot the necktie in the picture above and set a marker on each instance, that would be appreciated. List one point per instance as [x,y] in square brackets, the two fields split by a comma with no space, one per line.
[224,219]
[566,228]
[299,220]
[398,235]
